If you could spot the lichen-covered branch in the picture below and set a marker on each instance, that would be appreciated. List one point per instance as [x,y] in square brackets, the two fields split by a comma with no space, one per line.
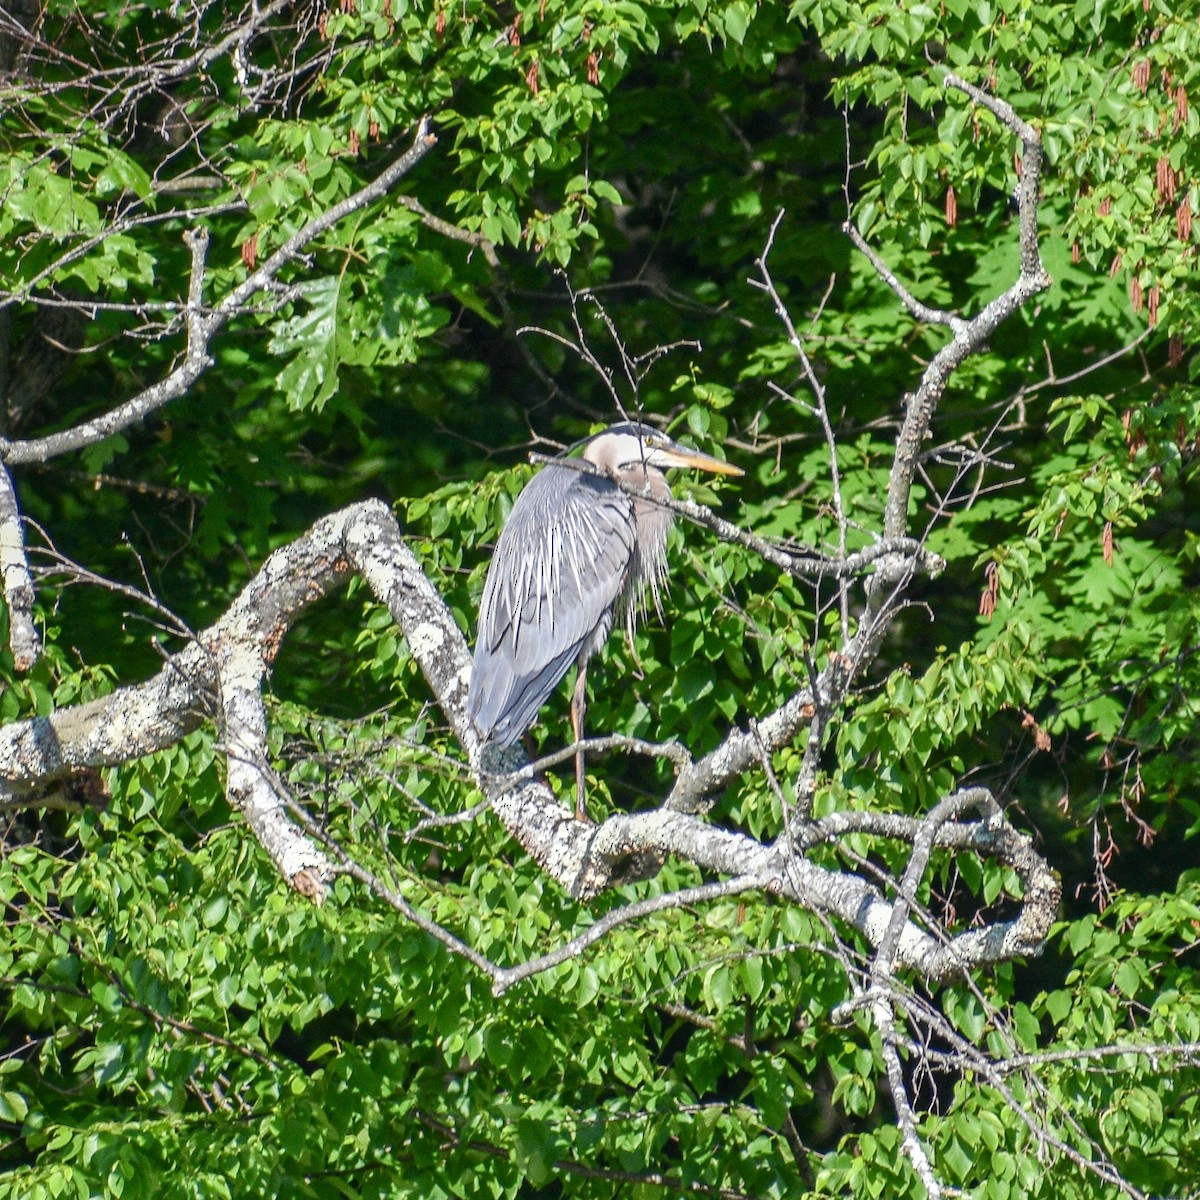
[220,676]
[17,582]
[250,783]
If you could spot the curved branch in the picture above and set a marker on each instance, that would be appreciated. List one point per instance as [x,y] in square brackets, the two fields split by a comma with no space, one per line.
[250,784]
[222,672]
[201,327]
[971,335]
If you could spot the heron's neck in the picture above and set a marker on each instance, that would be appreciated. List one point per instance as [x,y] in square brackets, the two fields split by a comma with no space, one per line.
[645,478]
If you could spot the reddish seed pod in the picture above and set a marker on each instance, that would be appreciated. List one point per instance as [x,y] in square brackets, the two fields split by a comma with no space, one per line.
[1164,179]
[1041,739]
[991,591]
[951,207]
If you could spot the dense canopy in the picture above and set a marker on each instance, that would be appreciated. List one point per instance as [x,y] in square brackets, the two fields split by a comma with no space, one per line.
[893,887]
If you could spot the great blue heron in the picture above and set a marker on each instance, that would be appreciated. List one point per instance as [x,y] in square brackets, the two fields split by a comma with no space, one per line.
[575,552]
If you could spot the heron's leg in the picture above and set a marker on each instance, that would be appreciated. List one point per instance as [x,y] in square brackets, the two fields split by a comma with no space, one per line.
[578,708]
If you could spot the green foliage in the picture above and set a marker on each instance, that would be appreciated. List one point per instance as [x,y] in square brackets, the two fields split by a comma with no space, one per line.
[176,1023]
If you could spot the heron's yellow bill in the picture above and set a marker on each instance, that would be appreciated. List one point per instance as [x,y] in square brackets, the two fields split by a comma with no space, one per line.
[680,456]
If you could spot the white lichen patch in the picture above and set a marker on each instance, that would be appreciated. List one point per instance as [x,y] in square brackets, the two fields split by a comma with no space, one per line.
[426,638]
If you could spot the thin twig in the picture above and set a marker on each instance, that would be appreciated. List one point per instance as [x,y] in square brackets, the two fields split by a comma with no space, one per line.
[202,328]
[922,312]
[596,745]
[802,565]
[636,911]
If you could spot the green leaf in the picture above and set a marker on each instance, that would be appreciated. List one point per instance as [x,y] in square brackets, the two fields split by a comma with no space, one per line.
[535,1151]
[309,340]
[13,1107]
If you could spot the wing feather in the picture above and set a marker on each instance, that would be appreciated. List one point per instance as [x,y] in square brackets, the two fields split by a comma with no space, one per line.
[560,565]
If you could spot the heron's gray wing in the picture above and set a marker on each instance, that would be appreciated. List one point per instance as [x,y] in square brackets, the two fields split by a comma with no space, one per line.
[559,567]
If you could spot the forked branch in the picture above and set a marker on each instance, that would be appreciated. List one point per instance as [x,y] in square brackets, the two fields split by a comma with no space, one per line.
[200,325]
[221,674]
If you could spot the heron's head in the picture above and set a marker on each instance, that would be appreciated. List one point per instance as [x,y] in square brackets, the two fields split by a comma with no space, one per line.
[630,446]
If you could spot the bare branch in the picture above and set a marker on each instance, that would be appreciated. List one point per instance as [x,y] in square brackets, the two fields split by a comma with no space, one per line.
[250,785]
[223,670]
[911,1141]
[969,336]
[23,637]
[195,362]
[396,901]
[820,405]
[236,40]
[27,291]
[202,328]
[801,564]
[922,312]
[597,745]
[636,911]
[449,230]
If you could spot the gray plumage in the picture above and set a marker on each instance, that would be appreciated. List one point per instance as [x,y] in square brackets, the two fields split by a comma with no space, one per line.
[576,553]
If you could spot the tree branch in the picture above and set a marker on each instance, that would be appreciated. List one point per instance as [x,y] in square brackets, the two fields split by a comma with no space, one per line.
[970,336]
[23,637]
[920,311]
[223,670]
[202,327]
[800,564]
